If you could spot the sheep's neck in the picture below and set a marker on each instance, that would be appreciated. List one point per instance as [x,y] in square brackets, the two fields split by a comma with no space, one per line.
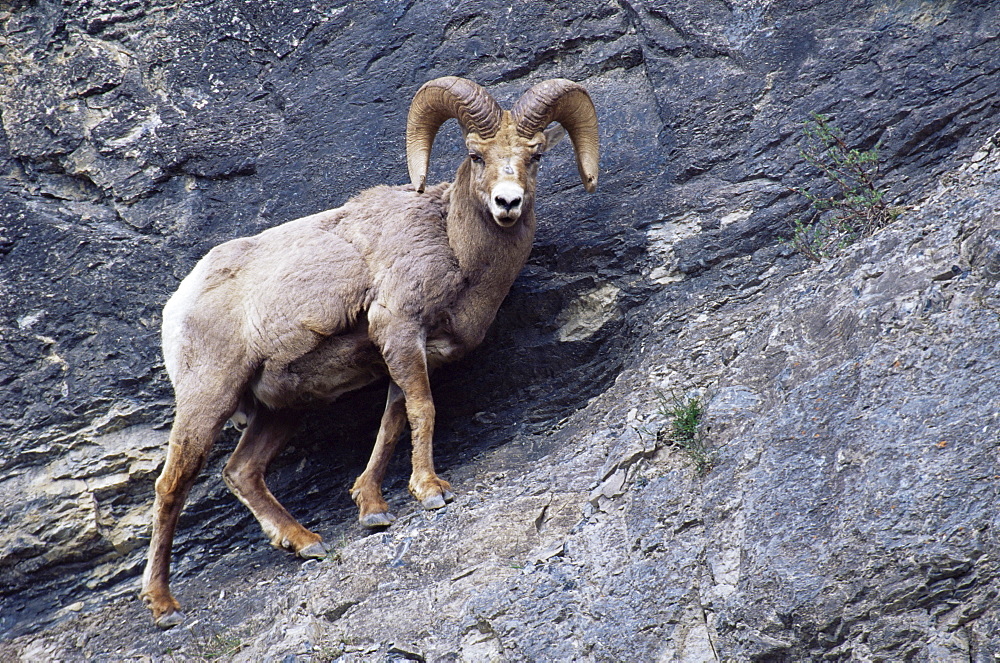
[489,258]
[485,251]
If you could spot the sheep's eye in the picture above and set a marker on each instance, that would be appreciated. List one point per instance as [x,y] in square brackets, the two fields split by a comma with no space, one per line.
[475,157]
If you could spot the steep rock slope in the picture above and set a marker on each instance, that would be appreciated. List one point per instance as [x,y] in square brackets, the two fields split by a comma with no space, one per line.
[852,405]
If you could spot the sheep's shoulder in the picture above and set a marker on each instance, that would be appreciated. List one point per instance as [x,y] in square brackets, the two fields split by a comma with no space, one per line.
[402,236]
[382,220]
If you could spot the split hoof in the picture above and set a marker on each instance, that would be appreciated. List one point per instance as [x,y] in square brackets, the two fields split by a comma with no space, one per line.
[317,550]
[383,519]
[437,501]
[169,620]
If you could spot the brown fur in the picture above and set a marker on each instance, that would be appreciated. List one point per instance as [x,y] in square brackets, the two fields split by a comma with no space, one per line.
[393,283]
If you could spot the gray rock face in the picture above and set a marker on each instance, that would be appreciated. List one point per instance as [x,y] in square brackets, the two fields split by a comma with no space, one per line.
[851,405]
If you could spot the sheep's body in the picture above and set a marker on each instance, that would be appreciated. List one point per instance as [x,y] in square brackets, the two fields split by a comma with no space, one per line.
[289,306]
[395,282]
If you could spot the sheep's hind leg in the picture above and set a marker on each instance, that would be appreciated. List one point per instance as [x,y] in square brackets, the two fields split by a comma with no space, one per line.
[191,438]
[367,490]
[266,434]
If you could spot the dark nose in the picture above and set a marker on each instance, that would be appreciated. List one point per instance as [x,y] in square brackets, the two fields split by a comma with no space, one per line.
[506,204]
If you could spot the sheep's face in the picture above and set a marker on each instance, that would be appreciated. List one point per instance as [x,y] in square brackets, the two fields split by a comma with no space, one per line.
[503,170]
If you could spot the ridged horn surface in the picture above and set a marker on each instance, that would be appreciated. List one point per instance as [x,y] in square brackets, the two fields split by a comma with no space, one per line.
[569,104]
[437,101]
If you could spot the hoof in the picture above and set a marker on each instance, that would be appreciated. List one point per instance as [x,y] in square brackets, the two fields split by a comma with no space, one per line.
[316,550]
[433,502]
[432,493]
[437,501]
[170,620]
[378,519]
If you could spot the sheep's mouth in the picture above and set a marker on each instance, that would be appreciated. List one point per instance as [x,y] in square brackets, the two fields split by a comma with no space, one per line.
[505,220]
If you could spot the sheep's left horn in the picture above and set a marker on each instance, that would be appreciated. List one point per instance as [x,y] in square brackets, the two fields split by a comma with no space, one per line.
[568,103]
[437,101]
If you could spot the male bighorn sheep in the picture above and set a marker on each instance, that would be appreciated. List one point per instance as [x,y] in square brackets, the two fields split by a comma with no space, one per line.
[396,282]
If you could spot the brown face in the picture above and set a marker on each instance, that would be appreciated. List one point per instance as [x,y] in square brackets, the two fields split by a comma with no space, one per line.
[504,169]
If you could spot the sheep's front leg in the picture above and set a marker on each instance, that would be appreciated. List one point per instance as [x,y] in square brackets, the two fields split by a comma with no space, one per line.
[403,348]
[367,490]
[430,490]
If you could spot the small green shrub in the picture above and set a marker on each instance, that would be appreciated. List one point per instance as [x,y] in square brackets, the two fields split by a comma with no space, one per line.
[682,431]
[857,206]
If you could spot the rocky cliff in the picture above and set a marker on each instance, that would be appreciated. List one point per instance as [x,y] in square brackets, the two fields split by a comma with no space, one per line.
[851,406]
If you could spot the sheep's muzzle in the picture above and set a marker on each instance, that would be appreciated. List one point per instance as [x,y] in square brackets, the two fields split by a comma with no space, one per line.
[506,199]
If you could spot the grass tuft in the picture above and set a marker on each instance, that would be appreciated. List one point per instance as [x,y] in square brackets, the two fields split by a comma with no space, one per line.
[221,646]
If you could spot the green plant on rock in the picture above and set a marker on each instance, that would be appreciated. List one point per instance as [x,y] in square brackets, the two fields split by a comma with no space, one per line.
[682,431]
[856,207]
[336,549]
[221,646]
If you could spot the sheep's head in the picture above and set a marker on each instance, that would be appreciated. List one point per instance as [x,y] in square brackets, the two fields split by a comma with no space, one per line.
[504,146]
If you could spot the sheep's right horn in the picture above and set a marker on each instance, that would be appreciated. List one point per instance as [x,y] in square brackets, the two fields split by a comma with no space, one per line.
[568,103]
[437,101]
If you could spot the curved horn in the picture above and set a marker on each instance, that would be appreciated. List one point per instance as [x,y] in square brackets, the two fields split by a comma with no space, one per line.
[437,101]
[563,101]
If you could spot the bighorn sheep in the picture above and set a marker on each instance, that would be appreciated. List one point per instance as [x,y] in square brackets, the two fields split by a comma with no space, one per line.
[396,282]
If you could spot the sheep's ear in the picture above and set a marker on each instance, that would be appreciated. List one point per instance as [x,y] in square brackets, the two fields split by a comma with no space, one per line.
[553,135]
